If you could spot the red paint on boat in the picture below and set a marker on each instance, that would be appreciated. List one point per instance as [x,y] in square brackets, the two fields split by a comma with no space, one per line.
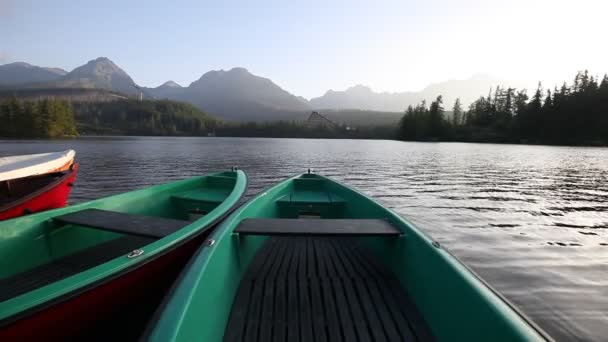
[115,310]
[51,196]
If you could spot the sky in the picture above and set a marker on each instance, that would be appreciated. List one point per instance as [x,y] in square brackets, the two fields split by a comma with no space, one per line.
[308,47]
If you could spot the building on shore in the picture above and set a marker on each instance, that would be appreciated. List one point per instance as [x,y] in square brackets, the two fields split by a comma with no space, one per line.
[317,120]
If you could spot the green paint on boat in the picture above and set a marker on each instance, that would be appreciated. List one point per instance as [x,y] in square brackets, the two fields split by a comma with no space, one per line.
[31,243]
[451,300]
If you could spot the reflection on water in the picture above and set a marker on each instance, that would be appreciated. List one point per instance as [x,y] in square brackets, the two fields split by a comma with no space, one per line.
[531,220]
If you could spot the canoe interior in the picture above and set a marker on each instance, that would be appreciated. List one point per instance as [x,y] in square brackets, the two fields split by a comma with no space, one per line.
[38,250]
[16,189]
[225,293]
[321,289]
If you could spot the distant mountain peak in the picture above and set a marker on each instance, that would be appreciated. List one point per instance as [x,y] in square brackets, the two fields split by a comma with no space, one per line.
[239,70]
[57,71]
[100,73]
[20,64]
[363,97]
[231,94]
[170,84]
[21,73]
[100,65]
[359,88]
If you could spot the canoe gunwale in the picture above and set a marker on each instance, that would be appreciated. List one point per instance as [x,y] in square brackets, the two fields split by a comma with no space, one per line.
[145,336]
[18,201]
[7,321]
[61,161]
[512,306]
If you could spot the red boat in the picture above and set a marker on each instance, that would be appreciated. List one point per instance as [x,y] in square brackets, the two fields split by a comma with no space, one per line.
[36,193]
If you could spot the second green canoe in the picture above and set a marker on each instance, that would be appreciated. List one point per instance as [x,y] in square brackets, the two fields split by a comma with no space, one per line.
[313,260]
[97,270]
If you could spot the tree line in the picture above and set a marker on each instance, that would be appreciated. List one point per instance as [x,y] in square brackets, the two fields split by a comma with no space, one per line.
[147,117]
[571,115]
[47,118]
[301,129]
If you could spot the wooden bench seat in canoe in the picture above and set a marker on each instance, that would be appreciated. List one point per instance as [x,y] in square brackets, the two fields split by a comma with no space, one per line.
[140,225]
[329,227]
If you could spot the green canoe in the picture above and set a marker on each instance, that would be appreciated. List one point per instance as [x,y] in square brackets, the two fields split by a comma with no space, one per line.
[64,272]
[313,260]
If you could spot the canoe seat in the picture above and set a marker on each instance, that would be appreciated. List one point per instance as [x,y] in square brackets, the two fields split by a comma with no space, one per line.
[206,195]
[140,225]
[302,226]
[310,197]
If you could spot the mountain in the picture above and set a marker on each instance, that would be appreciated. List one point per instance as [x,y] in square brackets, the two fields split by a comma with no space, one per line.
[20,73]
[166,90]
[237,94]
[100,73]
[362,97]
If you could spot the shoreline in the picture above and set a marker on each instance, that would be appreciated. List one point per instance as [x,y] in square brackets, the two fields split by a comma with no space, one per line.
[85,136]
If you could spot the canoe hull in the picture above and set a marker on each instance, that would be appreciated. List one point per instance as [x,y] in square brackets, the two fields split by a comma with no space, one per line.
[126,301]
[16,167]
[104,287]
[52,196]
[406,275]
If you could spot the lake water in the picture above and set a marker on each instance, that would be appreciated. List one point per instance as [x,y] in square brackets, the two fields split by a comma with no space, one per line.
[531,220]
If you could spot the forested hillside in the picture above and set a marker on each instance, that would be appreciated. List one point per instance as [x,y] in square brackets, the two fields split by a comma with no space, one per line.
[148,117]
[48,118]
[570,115]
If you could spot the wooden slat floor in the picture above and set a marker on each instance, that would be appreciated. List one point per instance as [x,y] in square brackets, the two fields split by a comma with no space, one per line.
[321,289]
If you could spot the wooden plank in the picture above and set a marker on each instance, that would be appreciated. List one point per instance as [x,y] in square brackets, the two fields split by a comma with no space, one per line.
[364,306]
[344,316]
[334,328]
[329,299]
[235,329]
[318,314]
[306,333]
[267,317]
[252,324]
[382,310]
[148,226]
[280,311]
[293,314]
[369,311]
[254,315]
[353,303]
[326,227]
[263,257]
[322,289]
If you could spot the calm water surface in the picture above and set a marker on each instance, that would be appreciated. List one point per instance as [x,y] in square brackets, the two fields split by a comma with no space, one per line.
[531,220]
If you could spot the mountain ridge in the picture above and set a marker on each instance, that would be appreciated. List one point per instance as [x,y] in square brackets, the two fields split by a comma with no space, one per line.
[237,94]
[363,97]
[20,73]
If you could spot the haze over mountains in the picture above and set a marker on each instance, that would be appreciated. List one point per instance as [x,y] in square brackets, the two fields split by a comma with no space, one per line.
[20,73]
[237,94]
[363,97]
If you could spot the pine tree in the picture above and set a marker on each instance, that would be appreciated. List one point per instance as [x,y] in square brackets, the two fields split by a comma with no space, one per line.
[457,116]
[436,118]
[548,105]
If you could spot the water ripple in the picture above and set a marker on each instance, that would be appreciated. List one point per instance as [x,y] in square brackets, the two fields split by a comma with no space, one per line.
[531,220]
